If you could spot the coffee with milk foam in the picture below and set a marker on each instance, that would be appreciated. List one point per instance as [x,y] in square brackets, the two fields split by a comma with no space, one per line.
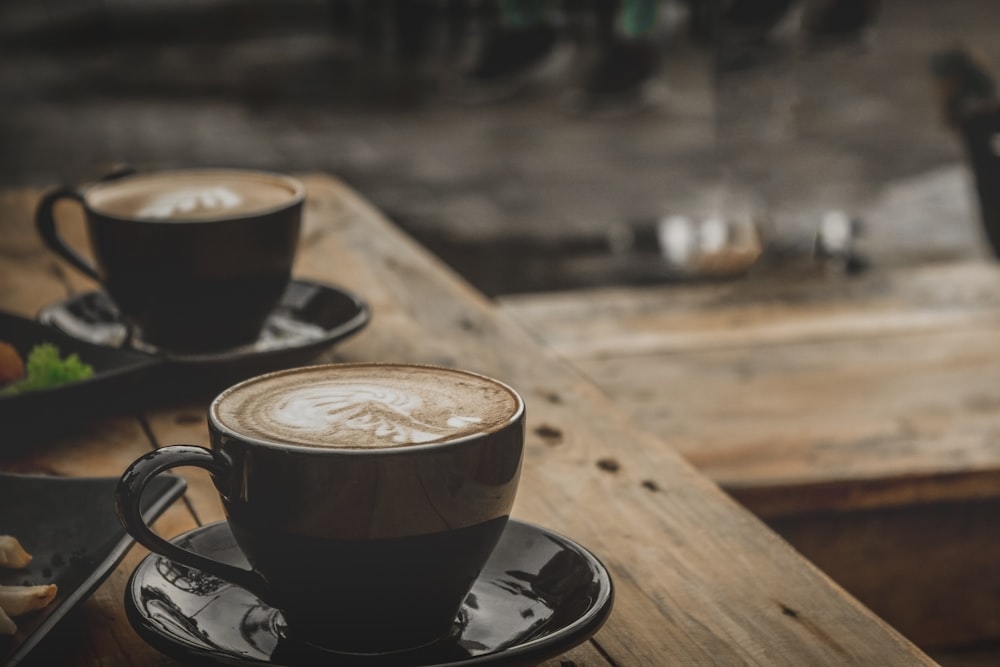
[193,195]
[366,406]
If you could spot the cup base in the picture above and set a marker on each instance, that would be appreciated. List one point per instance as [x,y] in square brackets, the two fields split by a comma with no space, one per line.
[292,645]
[367,595]
[139,341]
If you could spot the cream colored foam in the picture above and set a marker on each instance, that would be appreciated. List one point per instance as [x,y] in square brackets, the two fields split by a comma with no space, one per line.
[192,195]
[366,406]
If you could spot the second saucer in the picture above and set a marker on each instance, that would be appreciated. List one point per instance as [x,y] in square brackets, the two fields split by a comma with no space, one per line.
[539,595]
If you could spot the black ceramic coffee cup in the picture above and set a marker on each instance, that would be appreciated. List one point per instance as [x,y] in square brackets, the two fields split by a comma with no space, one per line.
[366,497]
[196,259]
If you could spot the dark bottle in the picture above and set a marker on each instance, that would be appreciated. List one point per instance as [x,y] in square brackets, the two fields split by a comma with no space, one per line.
[969,105]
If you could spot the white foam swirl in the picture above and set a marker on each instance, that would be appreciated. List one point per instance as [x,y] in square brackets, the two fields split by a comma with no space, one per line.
[359,412]
[185,201]
[361,406]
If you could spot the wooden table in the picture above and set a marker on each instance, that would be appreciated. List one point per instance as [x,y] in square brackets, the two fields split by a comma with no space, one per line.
[857,416]
[700,580]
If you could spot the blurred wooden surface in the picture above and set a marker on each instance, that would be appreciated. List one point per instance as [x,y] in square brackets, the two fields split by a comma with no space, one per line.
[699,580]
[859,416]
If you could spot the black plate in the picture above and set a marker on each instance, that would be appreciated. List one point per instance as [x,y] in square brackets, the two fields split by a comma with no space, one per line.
[24,416]
[539,595]
[69,527]
[311,318]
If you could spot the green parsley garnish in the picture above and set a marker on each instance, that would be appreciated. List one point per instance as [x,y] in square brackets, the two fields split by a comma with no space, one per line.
[45,369]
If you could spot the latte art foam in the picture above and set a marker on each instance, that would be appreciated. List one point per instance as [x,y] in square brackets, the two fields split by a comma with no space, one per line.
[192,201]
[366,406]
[343,411]
[189,195]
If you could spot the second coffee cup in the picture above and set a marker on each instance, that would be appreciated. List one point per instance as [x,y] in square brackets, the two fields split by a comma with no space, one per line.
[366,497]
[194,259]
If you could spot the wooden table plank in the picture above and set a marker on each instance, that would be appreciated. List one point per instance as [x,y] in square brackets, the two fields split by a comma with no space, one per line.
[920,409]
[674,550]
[699,580]
[858,417]
[836,390]
[635,321]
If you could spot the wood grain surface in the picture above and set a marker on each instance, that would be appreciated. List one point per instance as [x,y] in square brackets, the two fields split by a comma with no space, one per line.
[699,580]
[855,393]
[858,416]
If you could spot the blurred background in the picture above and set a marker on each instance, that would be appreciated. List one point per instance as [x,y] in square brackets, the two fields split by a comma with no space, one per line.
[535,145]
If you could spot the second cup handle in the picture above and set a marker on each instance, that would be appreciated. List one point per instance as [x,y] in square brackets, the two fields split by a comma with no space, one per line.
[127,503]
[45,222]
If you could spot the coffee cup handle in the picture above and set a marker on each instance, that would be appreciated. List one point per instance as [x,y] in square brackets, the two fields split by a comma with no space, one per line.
[45,222]
[128,495]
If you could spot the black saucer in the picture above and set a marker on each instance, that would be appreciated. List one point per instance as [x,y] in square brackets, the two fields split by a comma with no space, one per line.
[311,317]
[539,595]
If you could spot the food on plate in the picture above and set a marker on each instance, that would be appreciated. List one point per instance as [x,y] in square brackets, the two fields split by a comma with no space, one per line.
[11,364]
[45,368]
[7,624]
[12,554]
[19,600]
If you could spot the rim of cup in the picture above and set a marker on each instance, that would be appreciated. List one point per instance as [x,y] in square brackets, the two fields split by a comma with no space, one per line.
[225,430]
[297,188]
